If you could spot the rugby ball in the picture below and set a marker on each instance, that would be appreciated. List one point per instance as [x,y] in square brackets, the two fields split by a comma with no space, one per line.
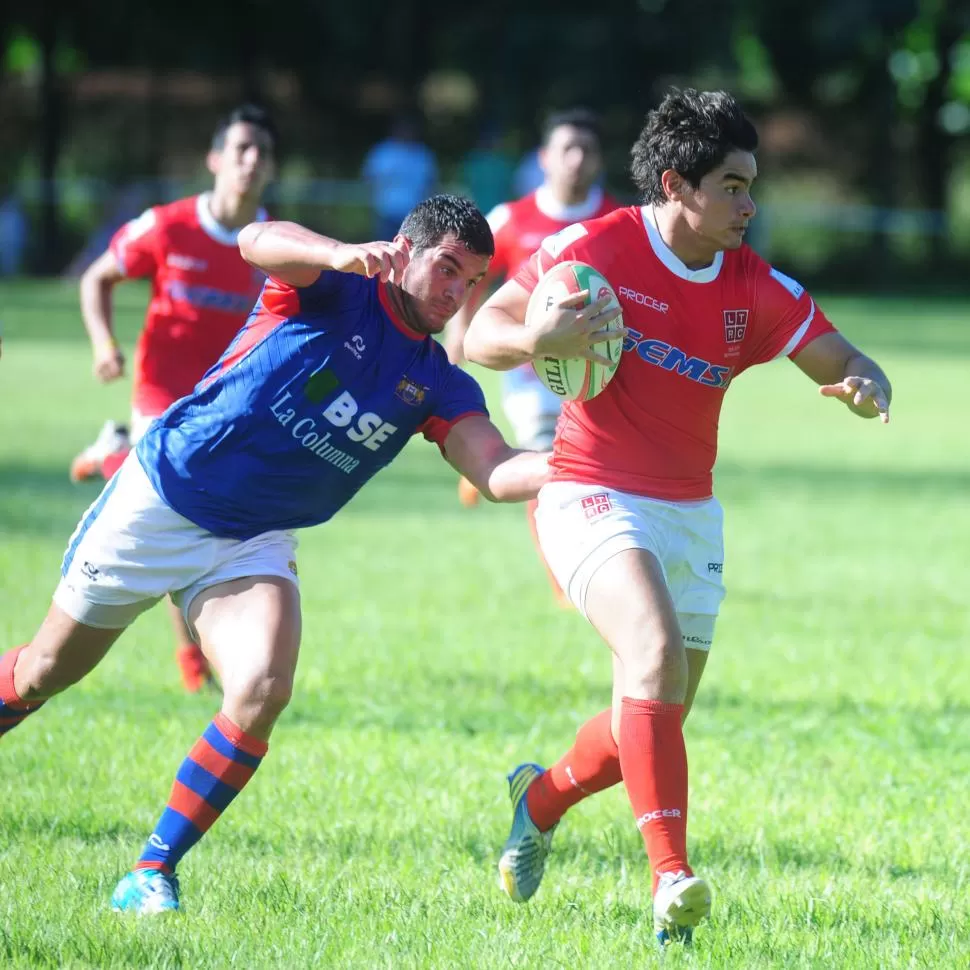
[575,379]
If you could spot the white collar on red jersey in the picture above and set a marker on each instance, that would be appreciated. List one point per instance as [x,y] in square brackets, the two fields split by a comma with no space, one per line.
[671,260]
[551,207]
[213,227]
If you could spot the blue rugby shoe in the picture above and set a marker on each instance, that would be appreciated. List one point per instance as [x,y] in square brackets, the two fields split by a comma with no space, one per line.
[523,859]
[146,891]
[680,903]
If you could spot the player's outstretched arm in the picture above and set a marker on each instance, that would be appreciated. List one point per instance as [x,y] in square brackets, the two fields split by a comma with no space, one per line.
[97,283]
[477,450]
[297,256]
[844,372]
[498,338]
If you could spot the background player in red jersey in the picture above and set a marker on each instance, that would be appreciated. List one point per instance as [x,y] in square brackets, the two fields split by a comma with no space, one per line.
[202,292]
[628,523]
[572,162]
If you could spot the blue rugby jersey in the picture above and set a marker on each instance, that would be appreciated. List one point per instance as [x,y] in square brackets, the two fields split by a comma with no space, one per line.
[321,389]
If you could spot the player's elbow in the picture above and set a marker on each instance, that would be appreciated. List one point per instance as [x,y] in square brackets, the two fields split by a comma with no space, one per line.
[103,271]
[87,281]
[247,240]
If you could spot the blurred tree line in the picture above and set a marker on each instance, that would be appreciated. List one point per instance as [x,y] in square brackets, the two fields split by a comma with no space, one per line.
[872,96]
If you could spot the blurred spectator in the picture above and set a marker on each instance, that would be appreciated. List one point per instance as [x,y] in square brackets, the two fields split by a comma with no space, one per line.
[401,171]
[13,236]
[487,171]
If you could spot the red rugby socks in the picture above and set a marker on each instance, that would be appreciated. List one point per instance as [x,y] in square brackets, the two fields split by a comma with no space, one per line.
[653,758]
[592,764]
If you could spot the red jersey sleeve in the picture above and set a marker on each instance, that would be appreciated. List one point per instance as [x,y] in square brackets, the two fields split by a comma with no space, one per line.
[786,318]
[137,243]
[498,221]
[569,243]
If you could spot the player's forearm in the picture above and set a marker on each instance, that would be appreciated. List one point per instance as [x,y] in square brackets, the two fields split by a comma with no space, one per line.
[498,341]
[859,365]
[96,309]
[518,476]
[281,248]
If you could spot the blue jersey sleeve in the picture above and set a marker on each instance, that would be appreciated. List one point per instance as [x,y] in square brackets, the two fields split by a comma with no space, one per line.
[459,397]
[329,290]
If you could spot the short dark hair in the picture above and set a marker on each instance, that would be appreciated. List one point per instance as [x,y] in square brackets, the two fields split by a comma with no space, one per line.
[575,117]
[251,114]
[690,132]
[442,215]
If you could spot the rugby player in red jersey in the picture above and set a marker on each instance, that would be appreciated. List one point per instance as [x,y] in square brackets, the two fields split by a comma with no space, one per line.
[628,523]
[202,293]
[572,161]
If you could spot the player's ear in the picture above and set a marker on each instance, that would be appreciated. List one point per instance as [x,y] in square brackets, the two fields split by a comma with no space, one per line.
[542,156]
[674,184]
[212,161]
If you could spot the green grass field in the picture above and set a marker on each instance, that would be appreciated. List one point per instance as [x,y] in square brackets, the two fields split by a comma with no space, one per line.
[829,744]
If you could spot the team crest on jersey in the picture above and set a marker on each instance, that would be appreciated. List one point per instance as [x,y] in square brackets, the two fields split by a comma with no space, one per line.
[409,392]
[735,324]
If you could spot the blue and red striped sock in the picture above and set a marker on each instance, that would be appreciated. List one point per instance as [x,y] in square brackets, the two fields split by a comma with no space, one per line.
[213,774]
[12,709]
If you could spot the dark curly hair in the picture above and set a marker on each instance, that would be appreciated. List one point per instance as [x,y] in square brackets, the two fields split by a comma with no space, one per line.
[690,132]
[442,215]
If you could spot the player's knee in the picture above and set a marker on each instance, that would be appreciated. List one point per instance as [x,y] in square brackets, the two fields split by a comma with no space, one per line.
[43,673]
[266,696]
[656,667]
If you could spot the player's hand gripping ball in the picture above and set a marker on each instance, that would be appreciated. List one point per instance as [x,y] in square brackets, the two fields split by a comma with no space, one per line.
[577,378]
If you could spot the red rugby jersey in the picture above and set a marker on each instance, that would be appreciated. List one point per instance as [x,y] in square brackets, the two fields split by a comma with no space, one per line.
[202,293]
[653,430]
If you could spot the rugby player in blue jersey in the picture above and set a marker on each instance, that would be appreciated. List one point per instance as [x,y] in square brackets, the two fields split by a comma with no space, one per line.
[333,372]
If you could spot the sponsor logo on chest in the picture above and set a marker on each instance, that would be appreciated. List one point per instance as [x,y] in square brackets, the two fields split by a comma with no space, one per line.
[342,418]
[666,356]
[641,299]
[190,263]
[209,297]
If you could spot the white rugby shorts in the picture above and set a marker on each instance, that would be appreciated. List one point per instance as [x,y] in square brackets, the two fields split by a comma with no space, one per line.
[139,425]
[531,408]
[582,526]
[130,549]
